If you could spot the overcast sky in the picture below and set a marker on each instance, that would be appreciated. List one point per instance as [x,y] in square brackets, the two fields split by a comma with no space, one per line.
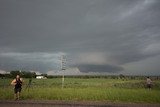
[97,36]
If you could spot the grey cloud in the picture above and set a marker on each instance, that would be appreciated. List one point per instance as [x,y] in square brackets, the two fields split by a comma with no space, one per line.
[122,31]
[30,61]
[100,68]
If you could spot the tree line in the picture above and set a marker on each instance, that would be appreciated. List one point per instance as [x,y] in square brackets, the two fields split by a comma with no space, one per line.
[28,74]
[24,74]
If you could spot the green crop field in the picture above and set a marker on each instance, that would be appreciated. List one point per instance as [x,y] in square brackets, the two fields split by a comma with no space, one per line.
[77,89]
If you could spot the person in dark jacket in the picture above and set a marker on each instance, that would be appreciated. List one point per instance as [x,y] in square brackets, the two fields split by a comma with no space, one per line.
[17,82]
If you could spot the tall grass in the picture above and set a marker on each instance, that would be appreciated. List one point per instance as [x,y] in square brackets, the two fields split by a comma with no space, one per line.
[86,90]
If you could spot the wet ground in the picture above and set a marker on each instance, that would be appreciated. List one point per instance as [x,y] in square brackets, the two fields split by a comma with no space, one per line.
[69,104]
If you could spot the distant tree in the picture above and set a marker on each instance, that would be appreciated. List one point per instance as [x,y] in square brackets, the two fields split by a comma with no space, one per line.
[121,76]
[45,75]
[7,76]
[33,75]
[14,73]
[24,74]
[1,75]
[27,74]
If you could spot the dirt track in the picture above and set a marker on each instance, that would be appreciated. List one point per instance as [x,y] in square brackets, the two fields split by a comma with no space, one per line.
[68,104]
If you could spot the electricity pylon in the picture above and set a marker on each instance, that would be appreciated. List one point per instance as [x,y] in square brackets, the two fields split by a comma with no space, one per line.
[63,68]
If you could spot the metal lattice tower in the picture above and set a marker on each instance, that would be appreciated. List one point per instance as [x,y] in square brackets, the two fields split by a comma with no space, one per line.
[63,62]
[63,67]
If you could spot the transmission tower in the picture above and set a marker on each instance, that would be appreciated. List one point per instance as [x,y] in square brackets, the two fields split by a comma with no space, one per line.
[63,62]
[63,68]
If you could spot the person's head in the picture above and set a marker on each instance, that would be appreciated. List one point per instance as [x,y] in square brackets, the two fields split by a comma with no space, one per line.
[147,77]
[18,77]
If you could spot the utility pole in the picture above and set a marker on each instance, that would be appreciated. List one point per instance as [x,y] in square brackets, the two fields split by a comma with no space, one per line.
[63,68]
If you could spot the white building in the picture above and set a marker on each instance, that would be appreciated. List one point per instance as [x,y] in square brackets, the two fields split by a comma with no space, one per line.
[40,77]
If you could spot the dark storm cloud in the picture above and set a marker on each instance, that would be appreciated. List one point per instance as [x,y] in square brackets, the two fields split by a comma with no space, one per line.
[30,61]
[90,32]
[99,68]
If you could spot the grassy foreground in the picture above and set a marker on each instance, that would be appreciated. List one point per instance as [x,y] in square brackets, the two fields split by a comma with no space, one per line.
[75,89]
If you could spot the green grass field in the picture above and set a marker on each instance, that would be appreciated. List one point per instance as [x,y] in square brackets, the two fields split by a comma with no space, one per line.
[76,89]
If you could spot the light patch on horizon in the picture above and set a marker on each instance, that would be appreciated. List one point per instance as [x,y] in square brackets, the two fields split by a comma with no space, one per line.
[2,72]
[144,67]
[31,61]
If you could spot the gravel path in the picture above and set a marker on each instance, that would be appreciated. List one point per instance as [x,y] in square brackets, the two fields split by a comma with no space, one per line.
[69,104]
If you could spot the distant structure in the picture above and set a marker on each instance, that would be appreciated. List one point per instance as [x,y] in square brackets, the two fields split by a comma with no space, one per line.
[63,62]
[40,77]
[63,67]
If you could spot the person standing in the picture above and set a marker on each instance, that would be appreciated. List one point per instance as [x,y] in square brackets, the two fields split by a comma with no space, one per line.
[17,82]
[149,83]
